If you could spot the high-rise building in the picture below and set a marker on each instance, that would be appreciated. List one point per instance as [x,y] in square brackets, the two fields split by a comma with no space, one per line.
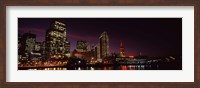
[38,46]
[92,52]
[56,41]
[67,49]
[19,48]
[37,52]
[19,42]
[27,41]
[121,53]
[97,52]
[43,50]
[104,45]
[82,46]
[83,51]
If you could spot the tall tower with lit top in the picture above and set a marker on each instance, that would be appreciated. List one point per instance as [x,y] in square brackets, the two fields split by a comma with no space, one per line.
[121,53]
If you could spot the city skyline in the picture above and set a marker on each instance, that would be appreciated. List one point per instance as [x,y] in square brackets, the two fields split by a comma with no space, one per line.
[149,36]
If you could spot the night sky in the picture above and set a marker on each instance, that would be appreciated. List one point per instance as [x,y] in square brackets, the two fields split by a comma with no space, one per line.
[149,36]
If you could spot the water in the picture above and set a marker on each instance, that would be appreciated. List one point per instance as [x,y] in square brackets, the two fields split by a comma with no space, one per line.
[121,67]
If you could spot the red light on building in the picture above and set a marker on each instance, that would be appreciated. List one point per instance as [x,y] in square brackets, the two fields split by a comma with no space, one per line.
[122,54]
[124,67]
[105,68]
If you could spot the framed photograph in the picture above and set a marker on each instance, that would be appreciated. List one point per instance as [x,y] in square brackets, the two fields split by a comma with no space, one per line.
[91,43]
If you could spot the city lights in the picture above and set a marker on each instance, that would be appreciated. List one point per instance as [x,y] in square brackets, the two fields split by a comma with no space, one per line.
[58,50]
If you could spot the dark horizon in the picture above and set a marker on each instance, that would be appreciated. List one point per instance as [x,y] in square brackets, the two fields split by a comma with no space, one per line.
[149,36]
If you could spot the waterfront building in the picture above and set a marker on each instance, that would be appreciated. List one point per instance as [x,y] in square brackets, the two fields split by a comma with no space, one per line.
[43,50]
[104,45]
[27,45]
[121,53]
[83,51]
[82,46]
[56,45]
[92,53]
[37,52]
[77,54]
[97,52]
[19,47]
[67,49]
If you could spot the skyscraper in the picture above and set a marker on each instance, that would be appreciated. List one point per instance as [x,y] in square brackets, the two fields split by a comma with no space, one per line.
[121,53]
[104,45]
[27,41]
[37,52]
[43,50]
[67,49]
[56,41]
[82,46]
[19,47]
[97,52]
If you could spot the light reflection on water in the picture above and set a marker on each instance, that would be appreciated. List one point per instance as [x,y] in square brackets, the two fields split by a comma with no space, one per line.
[121,67]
